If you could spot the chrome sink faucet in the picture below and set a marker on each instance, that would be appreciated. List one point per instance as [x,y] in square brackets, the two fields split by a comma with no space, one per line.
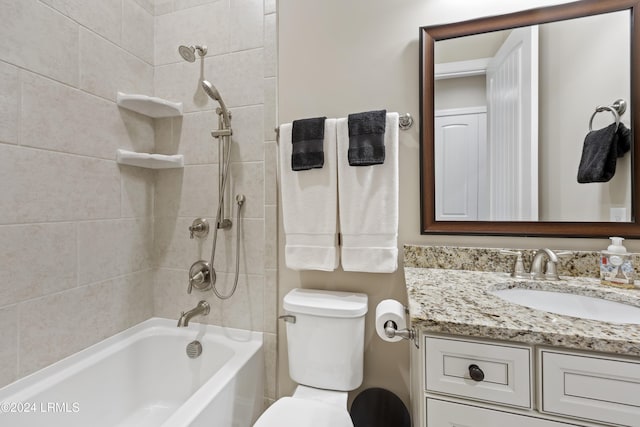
[201,309]
[551,270]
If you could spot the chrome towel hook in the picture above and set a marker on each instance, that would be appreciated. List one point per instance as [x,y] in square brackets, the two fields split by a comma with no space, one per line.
[617,109]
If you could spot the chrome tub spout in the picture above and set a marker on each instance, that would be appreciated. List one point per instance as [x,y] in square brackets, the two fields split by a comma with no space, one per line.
[201,309]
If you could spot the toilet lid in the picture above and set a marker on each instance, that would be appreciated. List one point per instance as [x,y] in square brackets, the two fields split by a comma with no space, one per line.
[295,412]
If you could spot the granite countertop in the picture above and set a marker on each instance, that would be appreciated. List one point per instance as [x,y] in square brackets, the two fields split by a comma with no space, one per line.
[457,302]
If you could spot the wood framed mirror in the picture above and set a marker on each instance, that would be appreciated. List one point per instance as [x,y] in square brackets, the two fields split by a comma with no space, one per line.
[562,98]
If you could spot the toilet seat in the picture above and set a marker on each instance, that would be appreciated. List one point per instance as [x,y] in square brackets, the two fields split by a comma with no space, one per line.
[297,412]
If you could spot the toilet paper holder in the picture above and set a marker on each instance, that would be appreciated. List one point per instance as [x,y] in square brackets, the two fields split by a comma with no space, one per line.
[391,331]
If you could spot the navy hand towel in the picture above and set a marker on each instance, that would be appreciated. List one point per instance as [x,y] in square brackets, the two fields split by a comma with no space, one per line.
[366,138]
[600,151]
[307,137]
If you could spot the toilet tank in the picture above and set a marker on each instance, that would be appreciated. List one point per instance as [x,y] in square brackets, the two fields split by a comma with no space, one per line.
[326,342]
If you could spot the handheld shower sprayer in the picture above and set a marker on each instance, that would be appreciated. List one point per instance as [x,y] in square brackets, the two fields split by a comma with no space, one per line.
[214,94]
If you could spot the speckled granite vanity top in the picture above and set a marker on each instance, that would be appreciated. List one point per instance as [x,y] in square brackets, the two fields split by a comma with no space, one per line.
[456,301]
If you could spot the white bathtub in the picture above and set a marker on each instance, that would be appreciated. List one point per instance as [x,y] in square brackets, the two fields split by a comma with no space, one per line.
[142,377]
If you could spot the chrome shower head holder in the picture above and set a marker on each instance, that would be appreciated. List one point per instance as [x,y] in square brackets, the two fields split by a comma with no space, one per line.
[188,53]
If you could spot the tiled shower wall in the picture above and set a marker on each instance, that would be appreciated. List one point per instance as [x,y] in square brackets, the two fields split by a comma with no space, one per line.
[240,38]
[75,228]
[88,247]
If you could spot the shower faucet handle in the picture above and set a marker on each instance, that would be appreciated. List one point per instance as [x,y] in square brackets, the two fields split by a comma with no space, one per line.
[199,228]
[201,276]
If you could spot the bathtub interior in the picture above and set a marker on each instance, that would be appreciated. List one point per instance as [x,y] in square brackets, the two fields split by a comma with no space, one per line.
[141,377]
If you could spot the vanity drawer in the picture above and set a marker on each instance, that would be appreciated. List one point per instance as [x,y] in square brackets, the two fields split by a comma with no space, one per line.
[505,370]
[590,387]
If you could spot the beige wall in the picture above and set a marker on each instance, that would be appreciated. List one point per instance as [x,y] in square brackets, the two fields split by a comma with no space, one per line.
[75,228]
[340,57]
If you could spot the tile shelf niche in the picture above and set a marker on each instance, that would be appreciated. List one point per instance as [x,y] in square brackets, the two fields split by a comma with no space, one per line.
[155,108]
[151,161]
[149,105]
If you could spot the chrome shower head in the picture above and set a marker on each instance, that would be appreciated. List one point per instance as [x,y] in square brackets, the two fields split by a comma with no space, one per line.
[188,53]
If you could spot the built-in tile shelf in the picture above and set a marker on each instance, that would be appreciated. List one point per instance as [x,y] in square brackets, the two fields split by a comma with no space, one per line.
[149,105]
[150,161]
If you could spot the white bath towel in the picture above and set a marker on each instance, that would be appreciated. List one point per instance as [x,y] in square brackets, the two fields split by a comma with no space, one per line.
[368,198]
[310,206]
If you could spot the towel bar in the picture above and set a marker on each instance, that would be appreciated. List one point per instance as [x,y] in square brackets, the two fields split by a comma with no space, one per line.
[406,122]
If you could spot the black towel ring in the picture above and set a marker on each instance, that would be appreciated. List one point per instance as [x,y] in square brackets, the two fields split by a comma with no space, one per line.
[617,109]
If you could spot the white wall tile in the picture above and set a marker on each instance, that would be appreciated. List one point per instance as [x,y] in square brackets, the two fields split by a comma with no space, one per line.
[9,347]
[246,17]
[270,364]
[174,249]
[191,192]
[107,249]
[162,7]
[270,45]
[35,37]
[106,68]
[270,6]
[80,320]
[202,25]
[271,301]
[137,30]
[245,309]
[238,77]
[186,4]
[147,5]
[171,298]
[194,138]
[271,240]
[138,186]
[247,179]
[9,100]
[102,16]
[252,248]
[81,317]
[180,82]
[29,270]
[270,173]
[247,123]
[129,300]
[42,186]
[60,118]
[270,110]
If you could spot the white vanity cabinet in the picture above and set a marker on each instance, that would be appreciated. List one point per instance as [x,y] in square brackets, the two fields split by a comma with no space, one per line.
[458,381]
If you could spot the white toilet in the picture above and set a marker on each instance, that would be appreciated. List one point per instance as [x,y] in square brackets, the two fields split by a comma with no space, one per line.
[325,337]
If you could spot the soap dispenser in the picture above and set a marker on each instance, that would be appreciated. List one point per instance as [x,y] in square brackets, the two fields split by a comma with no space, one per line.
[616,266]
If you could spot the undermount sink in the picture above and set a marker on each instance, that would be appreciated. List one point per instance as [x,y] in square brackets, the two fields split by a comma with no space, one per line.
[571,305]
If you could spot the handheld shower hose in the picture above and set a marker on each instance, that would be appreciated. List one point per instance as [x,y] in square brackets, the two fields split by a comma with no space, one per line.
[225,124]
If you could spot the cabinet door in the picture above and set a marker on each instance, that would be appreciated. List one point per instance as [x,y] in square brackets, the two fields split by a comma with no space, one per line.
[591,387]
[448,414]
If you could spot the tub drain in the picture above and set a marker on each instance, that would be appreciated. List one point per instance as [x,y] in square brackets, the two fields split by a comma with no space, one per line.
[194,349]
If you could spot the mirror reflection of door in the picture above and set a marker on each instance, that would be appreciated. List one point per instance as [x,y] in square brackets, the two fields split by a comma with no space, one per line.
[512,104]
[460,167]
